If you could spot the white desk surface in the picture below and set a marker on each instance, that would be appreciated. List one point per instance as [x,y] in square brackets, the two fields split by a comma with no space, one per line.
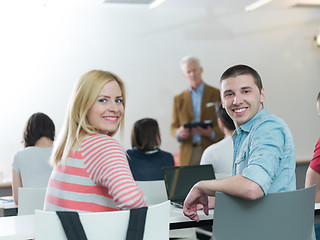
[17,227]
[176,215]
[22,227]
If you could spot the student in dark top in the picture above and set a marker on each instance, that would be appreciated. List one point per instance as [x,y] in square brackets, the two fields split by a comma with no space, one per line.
[145,158]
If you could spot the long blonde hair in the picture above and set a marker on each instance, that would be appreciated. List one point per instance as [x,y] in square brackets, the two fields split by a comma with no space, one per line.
[76,126]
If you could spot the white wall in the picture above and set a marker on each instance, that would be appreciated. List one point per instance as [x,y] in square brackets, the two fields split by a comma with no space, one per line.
[45,49]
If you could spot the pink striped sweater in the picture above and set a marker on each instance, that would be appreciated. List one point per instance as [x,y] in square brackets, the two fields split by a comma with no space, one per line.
[95,178]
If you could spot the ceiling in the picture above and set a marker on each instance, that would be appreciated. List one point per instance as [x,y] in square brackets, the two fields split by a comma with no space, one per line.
[219,19]
[224,4]
[240,4]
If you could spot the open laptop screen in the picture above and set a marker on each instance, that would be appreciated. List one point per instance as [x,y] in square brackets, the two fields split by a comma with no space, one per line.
[180,179]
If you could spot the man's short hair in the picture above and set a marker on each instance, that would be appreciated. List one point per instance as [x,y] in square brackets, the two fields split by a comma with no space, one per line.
[238,70]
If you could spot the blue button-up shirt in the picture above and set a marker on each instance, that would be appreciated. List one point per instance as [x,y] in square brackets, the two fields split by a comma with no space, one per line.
[196,97]
[264,153]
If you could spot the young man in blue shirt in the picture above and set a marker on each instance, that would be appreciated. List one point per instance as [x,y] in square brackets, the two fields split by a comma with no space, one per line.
[264,157]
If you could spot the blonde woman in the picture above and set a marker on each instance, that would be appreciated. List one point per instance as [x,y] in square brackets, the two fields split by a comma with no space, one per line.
[91,172]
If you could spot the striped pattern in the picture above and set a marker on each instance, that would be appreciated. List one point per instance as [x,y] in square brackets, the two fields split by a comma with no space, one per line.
[95,178]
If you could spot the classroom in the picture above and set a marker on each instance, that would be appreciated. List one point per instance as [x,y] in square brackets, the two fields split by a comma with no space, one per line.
[47,45]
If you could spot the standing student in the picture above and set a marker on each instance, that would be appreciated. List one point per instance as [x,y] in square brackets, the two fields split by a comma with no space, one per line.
[30,166]
[91,172]
[220,154]
[193,105]
[264,157]
[146,159]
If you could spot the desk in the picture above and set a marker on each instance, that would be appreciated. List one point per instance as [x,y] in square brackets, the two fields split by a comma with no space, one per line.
[5,187]
[8,207]
[5,184]
[22,227]
[178,220]
[17,227]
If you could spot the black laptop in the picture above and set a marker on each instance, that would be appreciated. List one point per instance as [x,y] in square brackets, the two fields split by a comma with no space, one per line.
[180,179]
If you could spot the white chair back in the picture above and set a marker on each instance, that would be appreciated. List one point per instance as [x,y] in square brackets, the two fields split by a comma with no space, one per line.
[154,191]
[105,225]
[30,199]
[284,215]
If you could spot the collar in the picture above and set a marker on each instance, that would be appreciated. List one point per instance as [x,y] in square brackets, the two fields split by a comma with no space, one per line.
[198,90]
[248,125]
[147,152]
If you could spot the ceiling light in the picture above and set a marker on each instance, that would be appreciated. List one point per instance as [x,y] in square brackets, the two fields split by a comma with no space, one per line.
[128,1]
[156,3]
[317,39]
[256,5]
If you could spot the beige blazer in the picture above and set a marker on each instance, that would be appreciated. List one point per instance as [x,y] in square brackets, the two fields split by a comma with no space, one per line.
[183,113]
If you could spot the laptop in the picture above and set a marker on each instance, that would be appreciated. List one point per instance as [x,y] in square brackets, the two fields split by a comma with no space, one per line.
[180,179]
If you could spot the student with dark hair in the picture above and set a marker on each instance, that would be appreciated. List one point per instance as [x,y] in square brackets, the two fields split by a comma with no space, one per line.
[145,158]
[264,157]
[220,154]
[31,167]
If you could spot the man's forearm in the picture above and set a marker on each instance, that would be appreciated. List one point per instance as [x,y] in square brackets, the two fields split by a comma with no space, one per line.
[236,185]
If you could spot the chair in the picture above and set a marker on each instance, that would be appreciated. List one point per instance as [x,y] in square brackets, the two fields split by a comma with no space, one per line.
[154,191]
[284,215]
[30,199]
[105,225]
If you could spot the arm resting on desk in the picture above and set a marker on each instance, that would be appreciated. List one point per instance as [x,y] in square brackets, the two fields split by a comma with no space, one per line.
[236,185]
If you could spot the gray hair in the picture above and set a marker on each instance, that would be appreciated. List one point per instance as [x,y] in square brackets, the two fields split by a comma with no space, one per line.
[188,59]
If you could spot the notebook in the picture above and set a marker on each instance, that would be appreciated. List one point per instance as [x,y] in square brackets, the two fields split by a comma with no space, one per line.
[180,179]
